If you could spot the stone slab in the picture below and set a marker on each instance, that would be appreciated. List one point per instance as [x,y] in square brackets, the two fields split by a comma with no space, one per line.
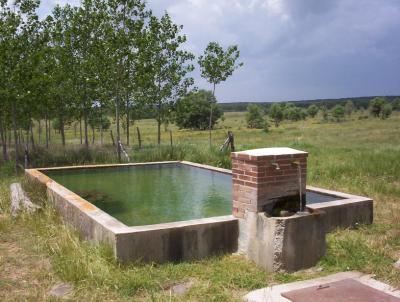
[274,293]
[340,291]
[271,151]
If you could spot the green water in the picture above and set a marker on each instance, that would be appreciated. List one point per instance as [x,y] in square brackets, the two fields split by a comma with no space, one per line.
[151,194]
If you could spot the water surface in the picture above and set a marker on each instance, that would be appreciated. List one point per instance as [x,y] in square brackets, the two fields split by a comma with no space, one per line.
[150,194]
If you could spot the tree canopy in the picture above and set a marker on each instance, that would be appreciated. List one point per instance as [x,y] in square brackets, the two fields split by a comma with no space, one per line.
[193,110]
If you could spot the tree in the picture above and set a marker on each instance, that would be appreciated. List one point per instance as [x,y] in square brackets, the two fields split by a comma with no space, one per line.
[124,37]
[293,113]
[254,117]
[193,110]
[386,111]
[97,121]
[19,31]
[217,65]
[276,113]
[324,112]
[376,105]
[349,107]
[164,67]
[312,110]
[338,112]
[60,62]
[396,104]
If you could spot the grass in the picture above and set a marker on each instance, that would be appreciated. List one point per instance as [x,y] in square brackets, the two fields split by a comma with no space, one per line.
[356,156]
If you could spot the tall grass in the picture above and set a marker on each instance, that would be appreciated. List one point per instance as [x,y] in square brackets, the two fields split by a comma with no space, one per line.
[58,156]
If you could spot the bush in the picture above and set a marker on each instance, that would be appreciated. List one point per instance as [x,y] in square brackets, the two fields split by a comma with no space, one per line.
[193,111]
[338,112]
[276,113]
[312,110]
[379,107]
[386,111]
[254,117]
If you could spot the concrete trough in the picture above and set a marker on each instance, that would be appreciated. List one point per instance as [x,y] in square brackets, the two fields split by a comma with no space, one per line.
[176,241]
[346,211]
[254,235]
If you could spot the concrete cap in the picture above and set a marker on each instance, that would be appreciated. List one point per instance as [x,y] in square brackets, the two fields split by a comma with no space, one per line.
[271,152]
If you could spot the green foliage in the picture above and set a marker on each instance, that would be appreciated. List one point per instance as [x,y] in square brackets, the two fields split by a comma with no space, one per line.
[312,110]
[217,64]
[349,107]
[324,113]
[376,106]
[165,66]
[396,104]
[293,113]
[193,110]
[338,112]
[276,113]
[386,111]
[254,117]
[97,120]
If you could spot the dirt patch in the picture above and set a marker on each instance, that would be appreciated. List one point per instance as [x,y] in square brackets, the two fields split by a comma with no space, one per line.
[24,273]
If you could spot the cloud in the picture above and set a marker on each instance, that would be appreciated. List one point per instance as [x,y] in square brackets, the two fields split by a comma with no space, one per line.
[296,49]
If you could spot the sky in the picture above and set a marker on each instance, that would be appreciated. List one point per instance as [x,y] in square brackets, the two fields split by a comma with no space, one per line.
[293,49]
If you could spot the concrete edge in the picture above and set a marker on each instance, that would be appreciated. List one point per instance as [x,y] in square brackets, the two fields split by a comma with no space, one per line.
[104,166]
[333,193]
[207,167]
[174,225]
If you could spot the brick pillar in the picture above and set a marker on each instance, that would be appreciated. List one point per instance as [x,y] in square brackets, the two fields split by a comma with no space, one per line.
[263,177]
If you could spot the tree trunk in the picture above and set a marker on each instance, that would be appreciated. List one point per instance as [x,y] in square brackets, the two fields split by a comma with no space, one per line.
[62,130]
[127,122]
[27,141]
[159,124]
[101,126]
[9,139]
[112,137]
[139,138]
[118,133]
[85,125]
[49,129]
[32,138]
[3,141]
[75,130]
[14,121]
[92,135]
[211,115]
[80,128]
[39,131]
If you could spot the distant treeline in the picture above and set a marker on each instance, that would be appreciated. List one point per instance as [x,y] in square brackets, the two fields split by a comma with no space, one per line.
[359,102]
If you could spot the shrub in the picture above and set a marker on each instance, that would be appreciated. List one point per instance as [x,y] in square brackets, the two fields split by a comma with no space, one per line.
[193,110]
[254,117]
[338,112]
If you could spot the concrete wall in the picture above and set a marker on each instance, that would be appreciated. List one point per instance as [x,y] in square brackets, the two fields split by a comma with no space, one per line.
[92,223]
[283,243]
[346,213]
[179,241]
[175,241]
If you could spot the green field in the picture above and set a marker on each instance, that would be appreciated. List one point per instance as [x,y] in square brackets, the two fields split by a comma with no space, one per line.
[358,156]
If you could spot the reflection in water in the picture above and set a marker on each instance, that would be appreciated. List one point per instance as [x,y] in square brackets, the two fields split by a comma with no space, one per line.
[152,194]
